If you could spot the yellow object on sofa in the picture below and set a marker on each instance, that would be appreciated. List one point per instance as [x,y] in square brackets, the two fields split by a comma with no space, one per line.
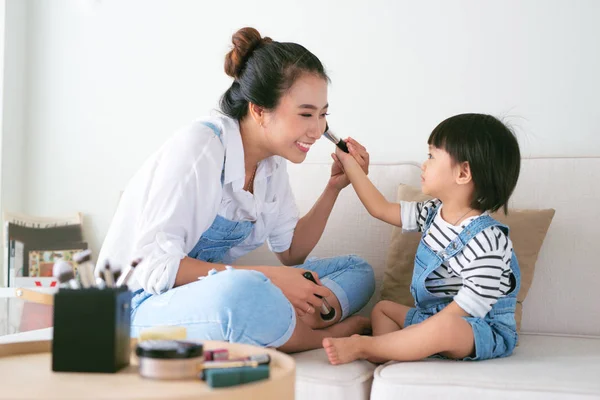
[163,332]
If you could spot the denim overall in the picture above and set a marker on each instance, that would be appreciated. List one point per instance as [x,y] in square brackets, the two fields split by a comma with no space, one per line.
[243,306]
[496,333]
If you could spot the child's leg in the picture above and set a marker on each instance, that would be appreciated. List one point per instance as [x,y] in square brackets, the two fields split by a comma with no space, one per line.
[446,334]
[307,338]
[387,317]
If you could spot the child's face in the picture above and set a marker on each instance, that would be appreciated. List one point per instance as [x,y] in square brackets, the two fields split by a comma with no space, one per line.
[439,173]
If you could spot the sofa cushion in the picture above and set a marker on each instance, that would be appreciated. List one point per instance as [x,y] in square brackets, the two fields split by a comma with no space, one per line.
[527,231]
[543,367]
[316,379]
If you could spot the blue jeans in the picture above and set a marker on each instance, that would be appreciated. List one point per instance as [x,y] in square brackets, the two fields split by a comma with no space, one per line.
[243,306]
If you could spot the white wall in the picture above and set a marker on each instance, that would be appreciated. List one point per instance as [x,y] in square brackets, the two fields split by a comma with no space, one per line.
[108,81]
[2,90]
[13,107]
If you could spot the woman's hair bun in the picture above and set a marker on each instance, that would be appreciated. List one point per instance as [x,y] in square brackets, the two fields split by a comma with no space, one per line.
[245,41]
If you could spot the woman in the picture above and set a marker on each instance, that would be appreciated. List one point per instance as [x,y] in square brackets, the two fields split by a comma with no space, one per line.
[219,189]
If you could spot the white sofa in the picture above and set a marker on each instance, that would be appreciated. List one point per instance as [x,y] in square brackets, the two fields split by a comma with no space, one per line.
[559,353]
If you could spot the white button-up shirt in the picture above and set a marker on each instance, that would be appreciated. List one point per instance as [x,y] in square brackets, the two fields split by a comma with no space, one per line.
[176,195]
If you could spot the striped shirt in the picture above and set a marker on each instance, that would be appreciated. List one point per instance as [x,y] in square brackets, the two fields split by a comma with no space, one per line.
[475,277]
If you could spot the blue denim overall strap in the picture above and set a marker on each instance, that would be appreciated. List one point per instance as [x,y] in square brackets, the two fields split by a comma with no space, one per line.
[219,134]
[427,261]
[223,234]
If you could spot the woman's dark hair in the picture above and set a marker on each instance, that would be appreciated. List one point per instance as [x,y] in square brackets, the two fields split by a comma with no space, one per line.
[492,151]
[263,71]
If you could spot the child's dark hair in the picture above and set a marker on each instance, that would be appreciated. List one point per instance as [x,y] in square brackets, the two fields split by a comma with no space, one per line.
[263,71]
[492,151]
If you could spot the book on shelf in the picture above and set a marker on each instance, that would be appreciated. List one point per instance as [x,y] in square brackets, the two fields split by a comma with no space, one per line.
[34,244]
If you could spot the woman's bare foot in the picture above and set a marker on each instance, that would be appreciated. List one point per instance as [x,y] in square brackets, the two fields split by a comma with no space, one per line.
[344,350]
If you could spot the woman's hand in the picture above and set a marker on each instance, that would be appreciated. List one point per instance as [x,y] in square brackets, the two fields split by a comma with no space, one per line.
[298,290]
[338,179]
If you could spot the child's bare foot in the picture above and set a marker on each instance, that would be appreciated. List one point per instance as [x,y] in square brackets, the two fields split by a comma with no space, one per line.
[344,350]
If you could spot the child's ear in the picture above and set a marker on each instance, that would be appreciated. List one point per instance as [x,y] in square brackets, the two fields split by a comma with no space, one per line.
[464,173]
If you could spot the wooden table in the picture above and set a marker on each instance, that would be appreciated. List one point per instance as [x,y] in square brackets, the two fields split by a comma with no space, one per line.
[26,373]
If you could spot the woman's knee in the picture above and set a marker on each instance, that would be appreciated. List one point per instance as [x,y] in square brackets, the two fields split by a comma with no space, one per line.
[362,276]
[253,310]
[350,278]
[361,272]
[240,290]
[234,286]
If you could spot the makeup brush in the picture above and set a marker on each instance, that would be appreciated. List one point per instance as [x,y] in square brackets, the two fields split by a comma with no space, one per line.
[116,272]
[63,271]
[335,140]
[125,275]
[85,268]
[327,312]
[108,275]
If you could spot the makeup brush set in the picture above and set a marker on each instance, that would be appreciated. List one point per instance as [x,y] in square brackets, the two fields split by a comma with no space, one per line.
[92,317]
[108,277]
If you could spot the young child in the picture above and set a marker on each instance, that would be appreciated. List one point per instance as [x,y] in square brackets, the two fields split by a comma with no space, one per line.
[466,276]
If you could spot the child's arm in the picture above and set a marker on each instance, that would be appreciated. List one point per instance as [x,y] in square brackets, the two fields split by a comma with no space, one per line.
[372,199]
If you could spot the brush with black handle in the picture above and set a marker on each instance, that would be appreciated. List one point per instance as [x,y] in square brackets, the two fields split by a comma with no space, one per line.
[327,312]
[334,139]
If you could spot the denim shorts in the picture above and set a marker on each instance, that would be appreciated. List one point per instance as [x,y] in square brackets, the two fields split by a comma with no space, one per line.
[495,334]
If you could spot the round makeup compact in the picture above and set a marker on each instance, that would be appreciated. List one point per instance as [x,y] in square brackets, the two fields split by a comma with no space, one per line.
[169,359]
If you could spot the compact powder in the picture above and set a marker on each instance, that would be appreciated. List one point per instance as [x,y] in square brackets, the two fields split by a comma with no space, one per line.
[169,359]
